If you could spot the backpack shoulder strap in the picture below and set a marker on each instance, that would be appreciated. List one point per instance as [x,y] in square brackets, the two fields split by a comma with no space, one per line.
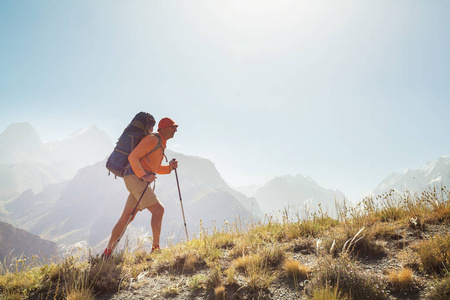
[158,145]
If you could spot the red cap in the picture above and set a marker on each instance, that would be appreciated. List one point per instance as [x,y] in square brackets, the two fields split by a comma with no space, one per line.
[166,122]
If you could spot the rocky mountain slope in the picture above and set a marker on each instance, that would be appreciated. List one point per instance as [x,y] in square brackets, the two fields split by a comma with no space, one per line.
[15,243]
[299,193]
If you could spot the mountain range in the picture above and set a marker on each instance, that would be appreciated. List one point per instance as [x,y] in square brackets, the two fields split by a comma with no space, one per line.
[433,174]
[302,194]
[86,207]
[26,162]
[295,195]
[61,191]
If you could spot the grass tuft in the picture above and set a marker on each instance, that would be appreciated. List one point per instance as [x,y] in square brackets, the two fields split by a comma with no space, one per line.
[434,254]
[220,292]
[214,279]
[400,280]
[85,294]
[230,275]
[327,293]
[197,282]
[106,275]
[343,275]
[295,269]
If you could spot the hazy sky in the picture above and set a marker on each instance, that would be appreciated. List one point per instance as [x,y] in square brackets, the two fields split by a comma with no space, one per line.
[343,91]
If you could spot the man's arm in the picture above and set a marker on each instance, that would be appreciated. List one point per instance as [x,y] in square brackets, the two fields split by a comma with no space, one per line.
[166,169]
[145,146]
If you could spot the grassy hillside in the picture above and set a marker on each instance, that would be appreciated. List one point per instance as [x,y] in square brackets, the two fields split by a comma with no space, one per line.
[396,246]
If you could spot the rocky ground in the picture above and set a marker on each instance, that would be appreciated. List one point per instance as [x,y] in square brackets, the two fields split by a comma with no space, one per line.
[166,285]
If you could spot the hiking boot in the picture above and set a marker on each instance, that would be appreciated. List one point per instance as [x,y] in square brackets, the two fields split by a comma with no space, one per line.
[155,248]
[106,254]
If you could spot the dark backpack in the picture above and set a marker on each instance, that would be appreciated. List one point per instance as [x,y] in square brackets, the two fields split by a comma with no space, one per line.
[130,138]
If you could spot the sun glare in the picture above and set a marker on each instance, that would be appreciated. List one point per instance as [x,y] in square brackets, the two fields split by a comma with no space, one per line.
[259,7]
[263,18]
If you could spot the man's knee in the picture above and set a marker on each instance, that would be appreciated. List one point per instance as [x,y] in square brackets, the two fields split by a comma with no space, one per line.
[157,209]
[126,214]
[160,209]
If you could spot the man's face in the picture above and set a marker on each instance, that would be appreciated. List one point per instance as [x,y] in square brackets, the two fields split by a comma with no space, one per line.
[171,130]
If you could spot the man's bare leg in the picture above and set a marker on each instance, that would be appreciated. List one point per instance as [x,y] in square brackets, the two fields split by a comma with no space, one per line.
[157,211]
[119,227]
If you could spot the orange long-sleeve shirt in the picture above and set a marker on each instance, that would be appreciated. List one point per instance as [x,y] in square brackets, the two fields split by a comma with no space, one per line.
[141,162]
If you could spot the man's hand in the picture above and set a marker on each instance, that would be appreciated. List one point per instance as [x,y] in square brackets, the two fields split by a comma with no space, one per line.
[173,164]
[149,177]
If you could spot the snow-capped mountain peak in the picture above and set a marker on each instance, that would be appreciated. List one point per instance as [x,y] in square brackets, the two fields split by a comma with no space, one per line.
[435,173]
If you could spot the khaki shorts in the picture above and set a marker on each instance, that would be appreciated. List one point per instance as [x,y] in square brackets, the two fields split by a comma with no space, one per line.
[136,186]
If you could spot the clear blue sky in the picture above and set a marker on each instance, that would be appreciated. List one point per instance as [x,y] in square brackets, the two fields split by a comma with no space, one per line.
[343,91]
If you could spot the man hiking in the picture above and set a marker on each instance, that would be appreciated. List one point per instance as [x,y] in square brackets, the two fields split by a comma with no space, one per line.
[145,162]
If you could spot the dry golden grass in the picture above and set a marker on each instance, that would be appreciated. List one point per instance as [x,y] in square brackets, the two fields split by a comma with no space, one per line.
[401,279]
[409,259]
[386,231]
[230,275]
[214,279]
[273,255]
[255,268]
[435,202]
[220,292]
[327,293]
[21,281]
[12,295]
[432,205]
[308,228]
[180,259]
[306,245]
[295,269]
[223,240]
[243,263]
[434,254]
[84,294]
[262,254]
[105,275]
[270,256]
[260,277]
[241,247]
[354,241]
[344,275]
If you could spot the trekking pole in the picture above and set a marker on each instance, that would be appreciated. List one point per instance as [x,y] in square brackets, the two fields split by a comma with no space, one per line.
[181,202]
[129,219]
